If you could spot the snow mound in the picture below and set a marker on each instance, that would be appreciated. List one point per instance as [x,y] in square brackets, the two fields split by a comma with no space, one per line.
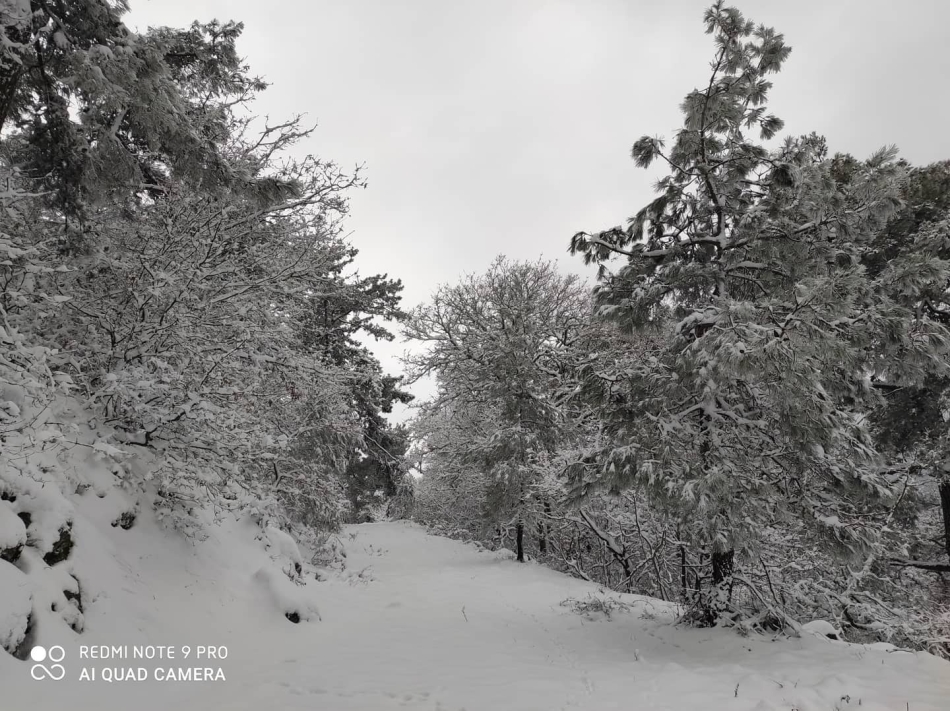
[56,594]
[39,497]
[285,596]
[284,546]
[88,558]
[17,602]
[12,530]
[822,628]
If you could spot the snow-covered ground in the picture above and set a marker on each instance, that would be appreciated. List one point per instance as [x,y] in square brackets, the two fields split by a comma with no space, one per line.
[420,622]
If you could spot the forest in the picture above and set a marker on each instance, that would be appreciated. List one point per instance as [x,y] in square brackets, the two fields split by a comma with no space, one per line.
[745,413]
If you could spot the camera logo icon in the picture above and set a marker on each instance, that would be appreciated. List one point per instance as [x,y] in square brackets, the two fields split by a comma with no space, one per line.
[54,671]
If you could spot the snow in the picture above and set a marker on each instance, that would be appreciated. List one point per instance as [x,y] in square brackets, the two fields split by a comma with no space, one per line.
[283,545]
[15,604]
[285,597]
[822,628]
[50,511]
[413,621]
[12,530]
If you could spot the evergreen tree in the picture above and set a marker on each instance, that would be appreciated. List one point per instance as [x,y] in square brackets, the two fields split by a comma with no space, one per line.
[752,413]
[346,308]
[911,423]
[99,111]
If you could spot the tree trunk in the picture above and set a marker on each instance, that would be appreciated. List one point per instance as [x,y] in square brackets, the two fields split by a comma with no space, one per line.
[543,530]
[714,601]
[11,72]
[519,530]
[945,509]
[683,580]
[717,602]
[723,565]
[326,328]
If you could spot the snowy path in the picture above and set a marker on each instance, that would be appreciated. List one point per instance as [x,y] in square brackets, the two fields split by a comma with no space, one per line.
[440,626]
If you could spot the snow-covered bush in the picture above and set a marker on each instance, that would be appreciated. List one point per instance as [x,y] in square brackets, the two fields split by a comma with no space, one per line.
[594,606]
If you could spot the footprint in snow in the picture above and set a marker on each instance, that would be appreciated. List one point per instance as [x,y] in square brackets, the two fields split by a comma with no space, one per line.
[407,699]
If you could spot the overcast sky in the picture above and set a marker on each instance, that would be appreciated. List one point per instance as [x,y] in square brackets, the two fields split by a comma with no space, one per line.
[504,126]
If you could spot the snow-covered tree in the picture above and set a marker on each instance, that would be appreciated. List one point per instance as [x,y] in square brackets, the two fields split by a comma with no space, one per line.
[348,307]
[752,413]
[450,495]
[912,421]
[97,109]
[171,259]
[502,345]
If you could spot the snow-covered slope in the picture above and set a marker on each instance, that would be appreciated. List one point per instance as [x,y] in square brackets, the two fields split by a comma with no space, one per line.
[420,622]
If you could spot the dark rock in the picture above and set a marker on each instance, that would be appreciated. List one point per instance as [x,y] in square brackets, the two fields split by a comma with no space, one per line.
[125,521]
[75,596]
[293,617]
[62,547]
[11,555]
[22,652]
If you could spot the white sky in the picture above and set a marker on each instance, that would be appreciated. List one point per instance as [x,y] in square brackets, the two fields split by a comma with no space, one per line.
[504,126]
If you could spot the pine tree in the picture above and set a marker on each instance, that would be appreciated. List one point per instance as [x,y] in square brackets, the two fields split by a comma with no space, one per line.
[910,424]
[98,111]
[752,408]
